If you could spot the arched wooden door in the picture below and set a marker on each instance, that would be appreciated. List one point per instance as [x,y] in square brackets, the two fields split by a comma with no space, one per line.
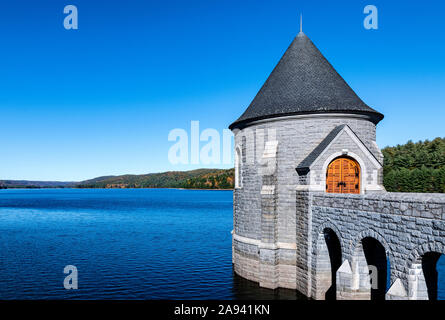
[343,176]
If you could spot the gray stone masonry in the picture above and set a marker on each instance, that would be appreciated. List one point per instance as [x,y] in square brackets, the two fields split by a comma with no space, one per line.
[280,216]
[407,225]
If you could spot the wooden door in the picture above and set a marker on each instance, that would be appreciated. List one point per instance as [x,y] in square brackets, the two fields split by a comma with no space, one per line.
[343,176]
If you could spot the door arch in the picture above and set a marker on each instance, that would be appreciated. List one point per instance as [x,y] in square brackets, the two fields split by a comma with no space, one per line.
[343,176]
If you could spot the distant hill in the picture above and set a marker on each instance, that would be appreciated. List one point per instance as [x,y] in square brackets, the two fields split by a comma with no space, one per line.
[195,179]
[412,167]
[415,167]
[4,184]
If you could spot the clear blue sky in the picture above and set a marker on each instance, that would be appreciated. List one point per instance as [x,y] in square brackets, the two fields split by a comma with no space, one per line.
[76,104]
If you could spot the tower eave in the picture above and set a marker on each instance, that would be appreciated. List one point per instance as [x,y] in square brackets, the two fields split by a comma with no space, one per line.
[374,117]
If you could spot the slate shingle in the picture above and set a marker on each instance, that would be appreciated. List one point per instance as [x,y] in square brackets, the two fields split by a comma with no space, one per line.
[304,82]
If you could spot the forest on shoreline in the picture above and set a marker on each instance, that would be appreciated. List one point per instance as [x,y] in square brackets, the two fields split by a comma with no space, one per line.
[411,167]
[415,167]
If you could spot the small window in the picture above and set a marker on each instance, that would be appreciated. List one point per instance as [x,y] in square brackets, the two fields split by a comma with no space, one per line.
[238,175]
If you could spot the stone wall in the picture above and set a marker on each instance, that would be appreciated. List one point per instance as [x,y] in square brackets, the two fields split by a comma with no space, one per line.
[407,225]
[265,221]
[296,138]
[279,221]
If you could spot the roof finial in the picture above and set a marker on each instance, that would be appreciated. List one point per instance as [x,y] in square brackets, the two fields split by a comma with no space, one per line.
[301,22]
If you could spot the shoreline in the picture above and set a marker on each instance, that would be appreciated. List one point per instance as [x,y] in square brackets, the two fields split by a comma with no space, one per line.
[56,188]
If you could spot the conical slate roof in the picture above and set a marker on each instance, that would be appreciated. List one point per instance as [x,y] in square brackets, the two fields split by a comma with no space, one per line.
[304,82]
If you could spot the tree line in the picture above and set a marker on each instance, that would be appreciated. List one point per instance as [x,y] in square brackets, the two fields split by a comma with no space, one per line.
[415,167]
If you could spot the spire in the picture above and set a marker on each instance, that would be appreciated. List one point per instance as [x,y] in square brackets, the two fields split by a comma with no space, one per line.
[301,23]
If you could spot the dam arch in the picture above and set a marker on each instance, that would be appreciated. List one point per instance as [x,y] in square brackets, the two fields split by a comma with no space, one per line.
[328,257]
[422,268]
[371,265]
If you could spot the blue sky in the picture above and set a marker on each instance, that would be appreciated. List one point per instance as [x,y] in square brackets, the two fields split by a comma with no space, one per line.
[76,104]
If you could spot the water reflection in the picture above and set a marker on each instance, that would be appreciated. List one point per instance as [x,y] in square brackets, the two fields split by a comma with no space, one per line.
[244,289]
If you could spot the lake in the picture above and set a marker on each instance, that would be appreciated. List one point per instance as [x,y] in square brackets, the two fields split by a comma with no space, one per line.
[125,244]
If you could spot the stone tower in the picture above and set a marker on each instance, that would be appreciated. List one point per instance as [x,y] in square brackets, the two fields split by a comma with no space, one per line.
[304,118]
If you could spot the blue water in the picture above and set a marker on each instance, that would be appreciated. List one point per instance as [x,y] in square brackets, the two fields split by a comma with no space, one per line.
[125,243]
